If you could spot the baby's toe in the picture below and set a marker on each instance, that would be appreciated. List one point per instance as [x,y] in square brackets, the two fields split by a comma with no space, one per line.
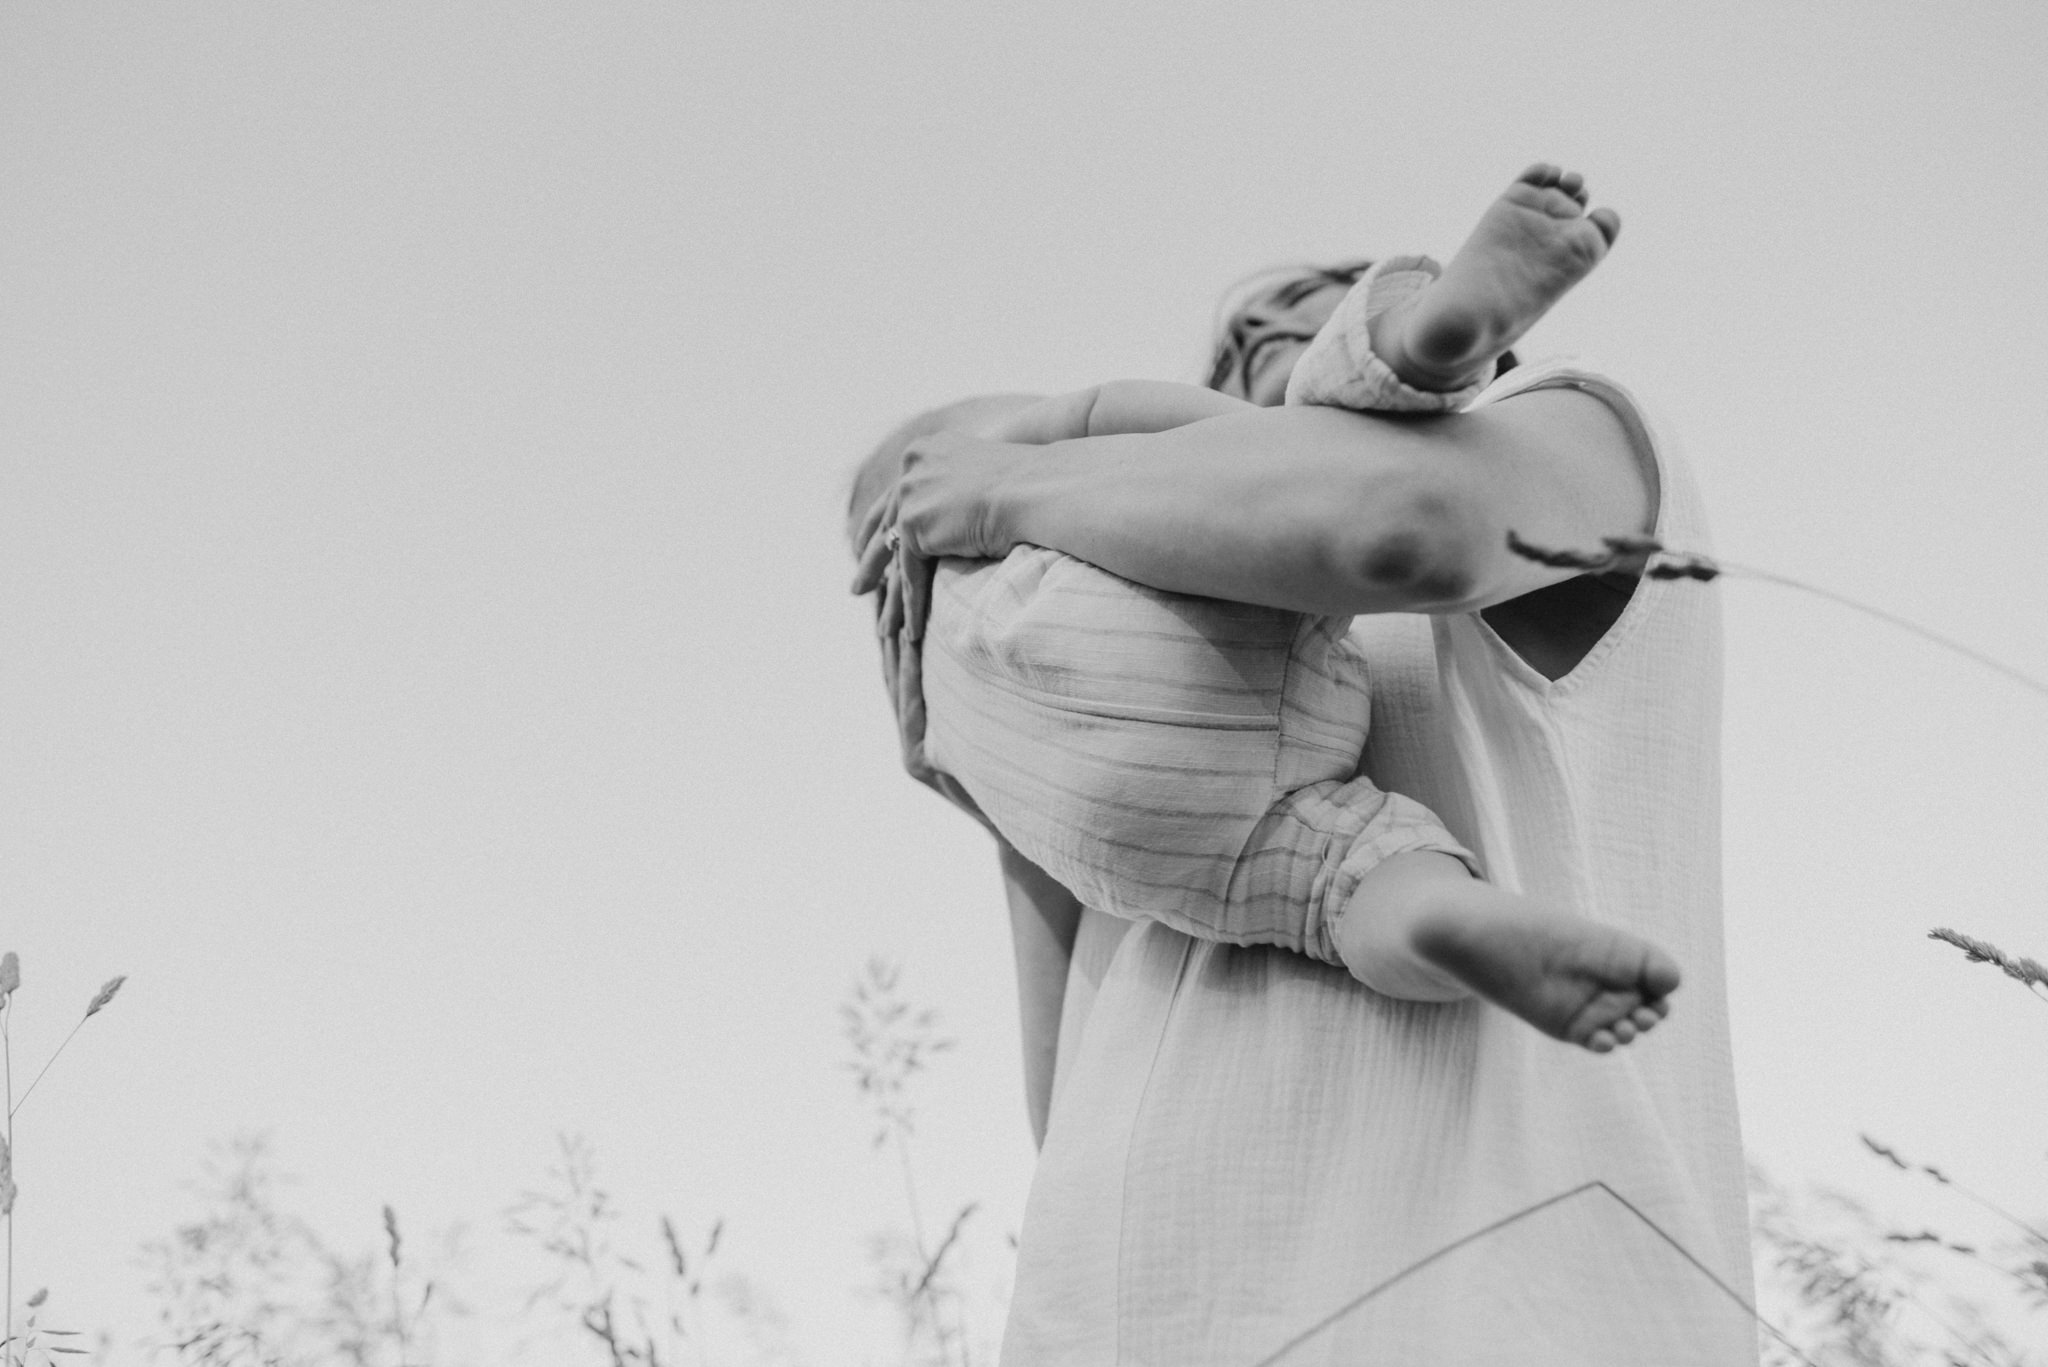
[1645,1017]
[1600,1042]
[1573,184]
[1540,175]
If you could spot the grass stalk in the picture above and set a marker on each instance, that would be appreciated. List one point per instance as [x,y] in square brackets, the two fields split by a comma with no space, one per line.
[1359,1302]
[1905,624]
[397,1310]
[13,1105]
[1892,1156]
[1648,558]
[7,1179]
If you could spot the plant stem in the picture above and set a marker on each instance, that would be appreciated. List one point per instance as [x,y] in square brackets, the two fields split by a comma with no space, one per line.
[916,1223]
[2000,1211]
[2018,676]
[7,1059]
[910,1194]
[13,1105]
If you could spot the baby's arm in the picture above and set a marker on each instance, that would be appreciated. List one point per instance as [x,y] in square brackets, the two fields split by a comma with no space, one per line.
[1108,409]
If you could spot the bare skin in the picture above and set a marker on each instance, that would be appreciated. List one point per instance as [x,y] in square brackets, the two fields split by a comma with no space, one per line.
[1422,928]
[1531,246]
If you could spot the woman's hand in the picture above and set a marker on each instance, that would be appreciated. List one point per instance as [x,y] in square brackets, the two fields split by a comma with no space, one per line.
[940,505]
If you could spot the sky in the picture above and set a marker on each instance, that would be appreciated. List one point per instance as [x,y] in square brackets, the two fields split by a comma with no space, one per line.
[429,673]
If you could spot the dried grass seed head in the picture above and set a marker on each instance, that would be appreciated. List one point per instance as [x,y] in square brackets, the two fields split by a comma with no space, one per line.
[105,994]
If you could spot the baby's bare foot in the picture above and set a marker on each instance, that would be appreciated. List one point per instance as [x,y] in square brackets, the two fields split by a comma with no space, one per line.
[1573,979]
[1533,243]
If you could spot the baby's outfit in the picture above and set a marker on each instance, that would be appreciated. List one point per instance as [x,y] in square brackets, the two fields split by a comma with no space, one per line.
[1173,758]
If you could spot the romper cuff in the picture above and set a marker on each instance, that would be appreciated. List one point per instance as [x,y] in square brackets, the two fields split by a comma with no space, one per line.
[1401,826]
[1339,369]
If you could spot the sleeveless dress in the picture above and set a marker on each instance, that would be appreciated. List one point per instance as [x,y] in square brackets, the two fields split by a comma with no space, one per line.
[1253,1158]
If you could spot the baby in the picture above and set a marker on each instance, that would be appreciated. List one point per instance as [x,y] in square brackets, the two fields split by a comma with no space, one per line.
[1194,761]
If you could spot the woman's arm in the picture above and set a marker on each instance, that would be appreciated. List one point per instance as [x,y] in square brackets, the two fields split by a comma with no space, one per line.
[1044,918]
[1118,407]
[1314,509]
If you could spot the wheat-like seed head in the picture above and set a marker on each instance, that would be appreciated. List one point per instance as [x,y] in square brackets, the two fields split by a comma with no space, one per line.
[10,974]
[106,993]
[1978,951]
[6,1178]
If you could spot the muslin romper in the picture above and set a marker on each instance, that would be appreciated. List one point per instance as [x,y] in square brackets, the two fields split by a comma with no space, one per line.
[1174,758]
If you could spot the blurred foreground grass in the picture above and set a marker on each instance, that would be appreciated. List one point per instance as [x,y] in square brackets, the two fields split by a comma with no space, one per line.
[249,1283]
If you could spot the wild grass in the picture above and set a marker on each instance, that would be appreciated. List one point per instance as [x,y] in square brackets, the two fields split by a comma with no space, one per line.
[1861,1291]
[251,1284]
[34,1347]
[2026,972]
[891,1043]
[645,1304]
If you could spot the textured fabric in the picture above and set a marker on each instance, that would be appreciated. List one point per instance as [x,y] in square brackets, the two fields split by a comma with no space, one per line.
[1169,758]
[1244,1142]
[1339,370]
[1172,758]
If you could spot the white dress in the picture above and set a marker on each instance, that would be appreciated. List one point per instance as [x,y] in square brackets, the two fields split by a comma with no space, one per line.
[1245,1143]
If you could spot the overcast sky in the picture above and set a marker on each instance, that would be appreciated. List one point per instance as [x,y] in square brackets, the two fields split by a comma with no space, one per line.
[425,657]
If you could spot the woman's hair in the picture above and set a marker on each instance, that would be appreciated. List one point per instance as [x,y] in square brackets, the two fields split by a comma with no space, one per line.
[1278,287]
[1275,287]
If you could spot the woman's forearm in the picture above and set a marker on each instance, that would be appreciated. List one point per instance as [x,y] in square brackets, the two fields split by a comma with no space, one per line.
[1044,918]
[1285,508]
[1327,511]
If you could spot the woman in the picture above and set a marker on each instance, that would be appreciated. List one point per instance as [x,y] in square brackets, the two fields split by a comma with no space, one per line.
[1245,1142]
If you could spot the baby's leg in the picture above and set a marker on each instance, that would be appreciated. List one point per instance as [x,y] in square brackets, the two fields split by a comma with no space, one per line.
[1166,758]
[1411,336]
[1419,926]
[1532,245]
[1190,762]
